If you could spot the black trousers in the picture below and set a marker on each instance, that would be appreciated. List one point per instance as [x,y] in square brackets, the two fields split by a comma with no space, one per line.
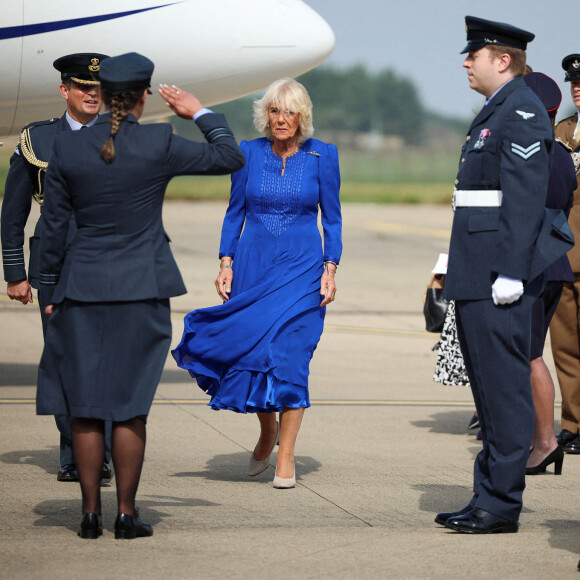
[495,343]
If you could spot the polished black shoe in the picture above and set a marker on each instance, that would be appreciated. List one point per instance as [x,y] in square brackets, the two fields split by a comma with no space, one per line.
[573,447]
[478,521]
[556,457]
[91,526]
[68,473]
[106,472]
[565,437]
[128,527]
[442,518]
[473,423]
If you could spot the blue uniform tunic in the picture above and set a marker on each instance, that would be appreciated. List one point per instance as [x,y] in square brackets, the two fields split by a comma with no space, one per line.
[107,341]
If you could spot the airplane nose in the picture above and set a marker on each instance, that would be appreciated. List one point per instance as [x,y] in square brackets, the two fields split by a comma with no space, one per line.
[292,37]
[267,40]
[298,36]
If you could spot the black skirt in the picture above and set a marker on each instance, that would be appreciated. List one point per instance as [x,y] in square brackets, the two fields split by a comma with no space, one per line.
[103,360]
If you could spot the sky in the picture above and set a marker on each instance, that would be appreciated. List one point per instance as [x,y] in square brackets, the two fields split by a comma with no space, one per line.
[421,40]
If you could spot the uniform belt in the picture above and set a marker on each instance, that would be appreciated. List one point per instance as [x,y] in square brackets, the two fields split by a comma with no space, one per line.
[477,198]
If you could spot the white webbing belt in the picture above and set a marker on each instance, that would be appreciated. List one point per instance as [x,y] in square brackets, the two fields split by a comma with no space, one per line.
[477,198]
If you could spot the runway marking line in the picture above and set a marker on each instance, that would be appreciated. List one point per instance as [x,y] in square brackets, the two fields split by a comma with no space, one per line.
[320,402]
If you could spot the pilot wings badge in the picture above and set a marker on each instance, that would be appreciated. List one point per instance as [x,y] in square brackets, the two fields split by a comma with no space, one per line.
[525,115]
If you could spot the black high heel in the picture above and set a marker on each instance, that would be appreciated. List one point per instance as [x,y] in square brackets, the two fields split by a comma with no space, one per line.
[91,526]
[128,527]
[556,457]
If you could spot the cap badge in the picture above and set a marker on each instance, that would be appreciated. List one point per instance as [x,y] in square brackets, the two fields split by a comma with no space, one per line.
[94,66]
[576,64]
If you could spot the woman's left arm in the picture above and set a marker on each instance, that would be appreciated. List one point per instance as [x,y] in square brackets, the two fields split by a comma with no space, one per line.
[331,216]
[54,224]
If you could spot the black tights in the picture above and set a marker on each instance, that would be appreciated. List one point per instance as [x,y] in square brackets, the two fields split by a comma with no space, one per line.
[128,451]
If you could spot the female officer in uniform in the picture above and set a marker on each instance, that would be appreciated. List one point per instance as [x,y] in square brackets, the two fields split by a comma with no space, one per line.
[109,328]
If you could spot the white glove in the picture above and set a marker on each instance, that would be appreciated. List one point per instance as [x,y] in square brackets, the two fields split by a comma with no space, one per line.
[506,290]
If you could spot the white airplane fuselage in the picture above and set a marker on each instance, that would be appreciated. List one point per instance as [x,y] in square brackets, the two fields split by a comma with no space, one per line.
[220,50]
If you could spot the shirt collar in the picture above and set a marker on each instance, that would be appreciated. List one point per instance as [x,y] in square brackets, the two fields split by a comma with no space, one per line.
[75,125]
[498,90]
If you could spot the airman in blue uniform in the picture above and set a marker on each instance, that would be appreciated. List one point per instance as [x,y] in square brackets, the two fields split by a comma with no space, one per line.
[80,87]
[502,241]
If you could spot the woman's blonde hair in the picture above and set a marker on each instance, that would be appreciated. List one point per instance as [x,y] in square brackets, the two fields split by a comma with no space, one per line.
[119,106]
[286,94]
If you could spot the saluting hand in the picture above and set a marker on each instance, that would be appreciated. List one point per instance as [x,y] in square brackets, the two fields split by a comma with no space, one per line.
[182,103]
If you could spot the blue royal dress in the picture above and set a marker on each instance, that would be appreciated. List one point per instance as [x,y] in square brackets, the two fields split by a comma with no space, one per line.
[252,353]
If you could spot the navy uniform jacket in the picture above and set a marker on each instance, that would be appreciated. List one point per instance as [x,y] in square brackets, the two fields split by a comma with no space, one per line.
[25,179]
[561,186]
[120,251]
[508,148]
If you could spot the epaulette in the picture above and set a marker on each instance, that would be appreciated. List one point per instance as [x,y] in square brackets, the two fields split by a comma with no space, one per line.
[40,123]
[28,153]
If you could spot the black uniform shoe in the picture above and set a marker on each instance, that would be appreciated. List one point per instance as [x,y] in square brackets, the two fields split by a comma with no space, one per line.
[68,473]
[573,446]
[565,437]
[128,527]
[442,518]
[91,526]
[106,472]
[473,423]
[478,521]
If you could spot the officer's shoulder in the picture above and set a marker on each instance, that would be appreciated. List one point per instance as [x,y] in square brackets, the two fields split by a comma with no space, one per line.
[41,125]
[568,120]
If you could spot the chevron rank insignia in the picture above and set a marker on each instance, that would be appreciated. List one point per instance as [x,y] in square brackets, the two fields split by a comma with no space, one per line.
[525,115]
[526,152]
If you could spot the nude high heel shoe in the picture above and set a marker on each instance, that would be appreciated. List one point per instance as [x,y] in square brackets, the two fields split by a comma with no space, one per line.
[256,467]
[285,483]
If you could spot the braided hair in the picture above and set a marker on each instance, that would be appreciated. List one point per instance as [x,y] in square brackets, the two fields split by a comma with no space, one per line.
[119,105]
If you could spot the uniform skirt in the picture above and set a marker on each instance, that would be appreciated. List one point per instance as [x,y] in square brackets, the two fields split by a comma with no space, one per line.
[542,312]
[103,360]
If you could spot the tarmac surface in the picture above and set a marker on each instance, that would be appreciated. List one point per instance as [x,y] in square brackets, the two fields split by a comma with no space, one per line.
[382,449]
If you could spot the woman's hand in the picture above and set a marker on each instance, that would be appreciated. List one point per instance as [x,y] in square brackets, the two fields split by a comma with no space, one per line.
[327,285]
[180,102]
[223,282]
[48,310]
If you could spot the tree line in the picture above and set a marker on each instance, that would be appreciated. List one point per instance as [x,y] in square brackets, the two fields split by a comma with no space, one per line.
[352,100]
[349,99]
